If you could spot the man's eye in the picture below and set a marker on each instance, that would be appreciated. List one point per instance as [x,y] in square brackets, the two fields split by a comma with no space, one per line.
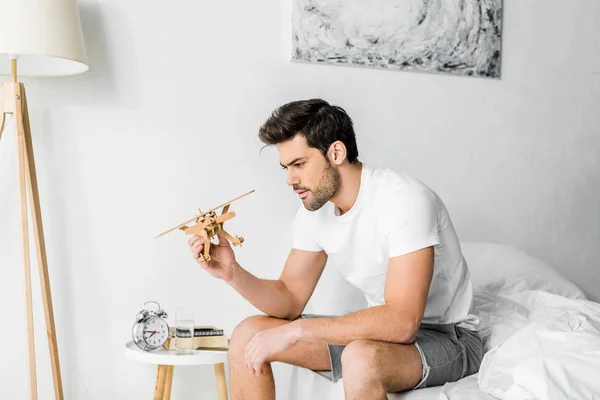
[299,165]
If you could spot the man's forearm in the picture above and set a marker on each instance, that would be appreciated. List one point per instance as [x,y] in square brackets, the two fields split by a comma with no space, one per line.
[269,296]
[384,323]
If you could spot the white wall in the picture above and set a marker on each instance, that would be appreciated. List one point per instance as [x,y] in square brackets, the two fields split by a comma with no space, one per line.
[166,121]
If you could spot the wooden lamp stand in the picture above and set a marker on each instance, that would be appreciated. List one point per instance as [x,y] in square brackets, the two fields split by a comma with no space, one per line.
[13,101]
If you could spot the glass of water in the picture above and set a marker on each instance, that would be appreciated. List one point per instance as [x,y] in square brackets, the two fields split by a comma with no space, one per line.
[184,332]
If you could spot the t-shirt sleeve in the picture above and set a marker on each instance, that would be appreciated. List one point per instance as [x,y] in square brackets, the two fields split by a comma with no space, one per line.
[304,232]
[411,221]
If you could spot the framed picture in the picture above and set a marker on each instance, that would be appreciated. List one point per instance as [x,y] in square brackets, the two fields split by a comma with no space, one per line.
[461,37]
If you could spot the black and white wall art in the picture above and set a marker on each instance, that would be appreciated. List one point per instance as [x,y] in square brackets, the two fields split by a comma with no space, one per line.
[461,37]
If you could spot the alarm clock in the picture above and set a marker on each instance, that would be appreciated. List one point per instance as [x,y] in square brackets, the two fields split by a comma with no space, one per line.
[150,330]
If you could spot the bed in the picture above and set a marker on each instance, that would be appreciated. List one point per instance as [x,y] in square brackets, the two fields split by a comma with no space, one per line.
[541,335]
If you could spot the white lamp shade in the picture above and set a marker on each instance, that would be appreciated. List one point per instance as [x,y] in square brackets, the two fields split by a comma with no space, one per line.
[44,35]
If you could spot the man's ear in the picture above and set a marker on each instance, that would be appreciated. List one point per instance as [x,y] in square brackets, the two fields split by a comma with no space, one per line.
[337,153]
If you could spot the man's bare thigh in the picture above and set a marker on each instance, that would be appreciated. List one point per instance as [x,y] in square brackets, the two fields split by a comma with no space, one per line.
[304,354]
[399,366]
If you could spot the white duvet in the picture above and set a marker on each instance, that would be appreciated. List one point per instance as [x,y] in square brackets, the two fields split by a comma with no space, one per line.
[541,335]
[547,347]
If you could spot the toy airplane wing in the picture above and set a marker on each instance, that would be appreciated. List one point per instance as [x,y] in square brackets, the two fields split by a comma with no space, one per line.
[225,217]
[225,205]
[176,227]
[225,214]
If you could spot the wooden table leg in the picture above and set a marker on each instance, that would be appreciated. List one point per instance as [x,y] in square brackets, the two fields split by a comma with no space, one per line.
[168,383]
[221,381]
[161,376]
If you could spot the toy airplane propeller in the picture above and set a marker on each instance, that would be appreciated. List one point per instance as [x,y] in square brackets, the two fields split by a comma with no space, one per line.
[208,224]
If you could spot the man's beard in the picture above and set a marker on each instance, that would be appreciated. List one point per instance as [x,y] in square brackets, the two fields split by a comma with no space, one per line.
[326,188]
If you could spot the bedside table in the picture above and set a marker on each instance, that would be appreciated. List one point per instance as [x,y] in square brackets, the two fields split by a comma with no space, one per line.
[167,360]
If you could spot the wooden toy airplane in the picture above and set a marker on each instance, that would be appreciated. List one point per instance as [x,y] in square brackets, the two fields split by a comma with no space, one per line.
[209,224]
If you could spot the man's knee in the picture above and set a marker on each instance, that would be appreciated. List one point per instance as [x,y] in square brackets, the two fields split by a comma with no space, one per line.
[361,363]
[245,331]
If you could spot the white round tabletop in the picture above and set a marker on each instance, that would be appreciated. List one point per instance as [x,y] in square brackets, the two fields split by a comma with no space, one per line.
[168,357]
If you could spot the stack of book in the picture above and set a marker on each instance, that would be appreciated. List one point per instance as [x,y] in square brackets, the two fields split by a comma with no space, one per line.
[205,337]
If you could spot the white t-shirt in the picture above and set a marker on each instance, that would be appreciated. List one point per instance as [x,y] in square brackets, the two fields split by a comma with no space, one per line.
[394,214]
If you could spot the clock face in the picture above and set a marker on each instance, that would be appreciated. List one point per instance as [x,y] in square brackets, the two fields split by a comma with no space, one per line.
[156,331]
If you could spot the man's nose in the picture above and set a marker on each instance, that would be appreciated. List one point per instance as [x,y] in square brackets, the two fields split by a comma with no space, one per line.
[291,178]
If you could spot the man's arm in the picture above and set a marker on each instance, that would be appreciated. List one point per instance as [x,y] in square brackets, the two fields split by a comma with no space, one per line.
[287,296]
[398,320]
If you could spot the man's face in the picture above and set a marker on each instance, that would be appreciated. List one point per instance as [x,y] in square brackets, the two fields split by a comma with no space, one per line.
[308,172]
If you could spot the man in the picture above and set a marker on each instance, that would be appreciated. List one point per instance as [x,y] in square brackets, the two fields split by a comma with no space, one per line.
[389,235]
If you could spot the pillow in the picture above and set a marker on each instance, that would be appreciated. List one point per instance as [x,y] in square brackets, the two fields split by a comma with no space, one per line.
[504,269]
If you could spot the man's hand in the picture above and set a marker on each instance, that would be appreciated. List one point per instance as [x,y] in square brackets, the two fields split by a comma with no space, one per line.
[222,264]
[265,344]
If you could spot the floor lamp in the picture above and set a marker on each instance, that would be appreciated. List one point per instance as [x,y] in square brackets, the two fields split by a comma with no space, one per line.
[43,39]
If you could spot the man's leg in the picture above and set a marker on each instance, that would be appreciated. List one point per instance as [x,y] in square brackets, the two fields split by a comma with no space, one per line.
[371,369]
[246,386]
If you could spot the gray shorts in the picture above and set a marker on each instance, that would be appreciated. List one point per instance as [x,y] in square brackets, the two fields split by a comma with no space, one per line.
[448,353]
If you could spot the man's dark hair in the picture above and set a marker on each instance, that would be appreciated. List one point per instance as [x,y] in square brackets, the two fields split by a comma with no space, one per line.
[319,122]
